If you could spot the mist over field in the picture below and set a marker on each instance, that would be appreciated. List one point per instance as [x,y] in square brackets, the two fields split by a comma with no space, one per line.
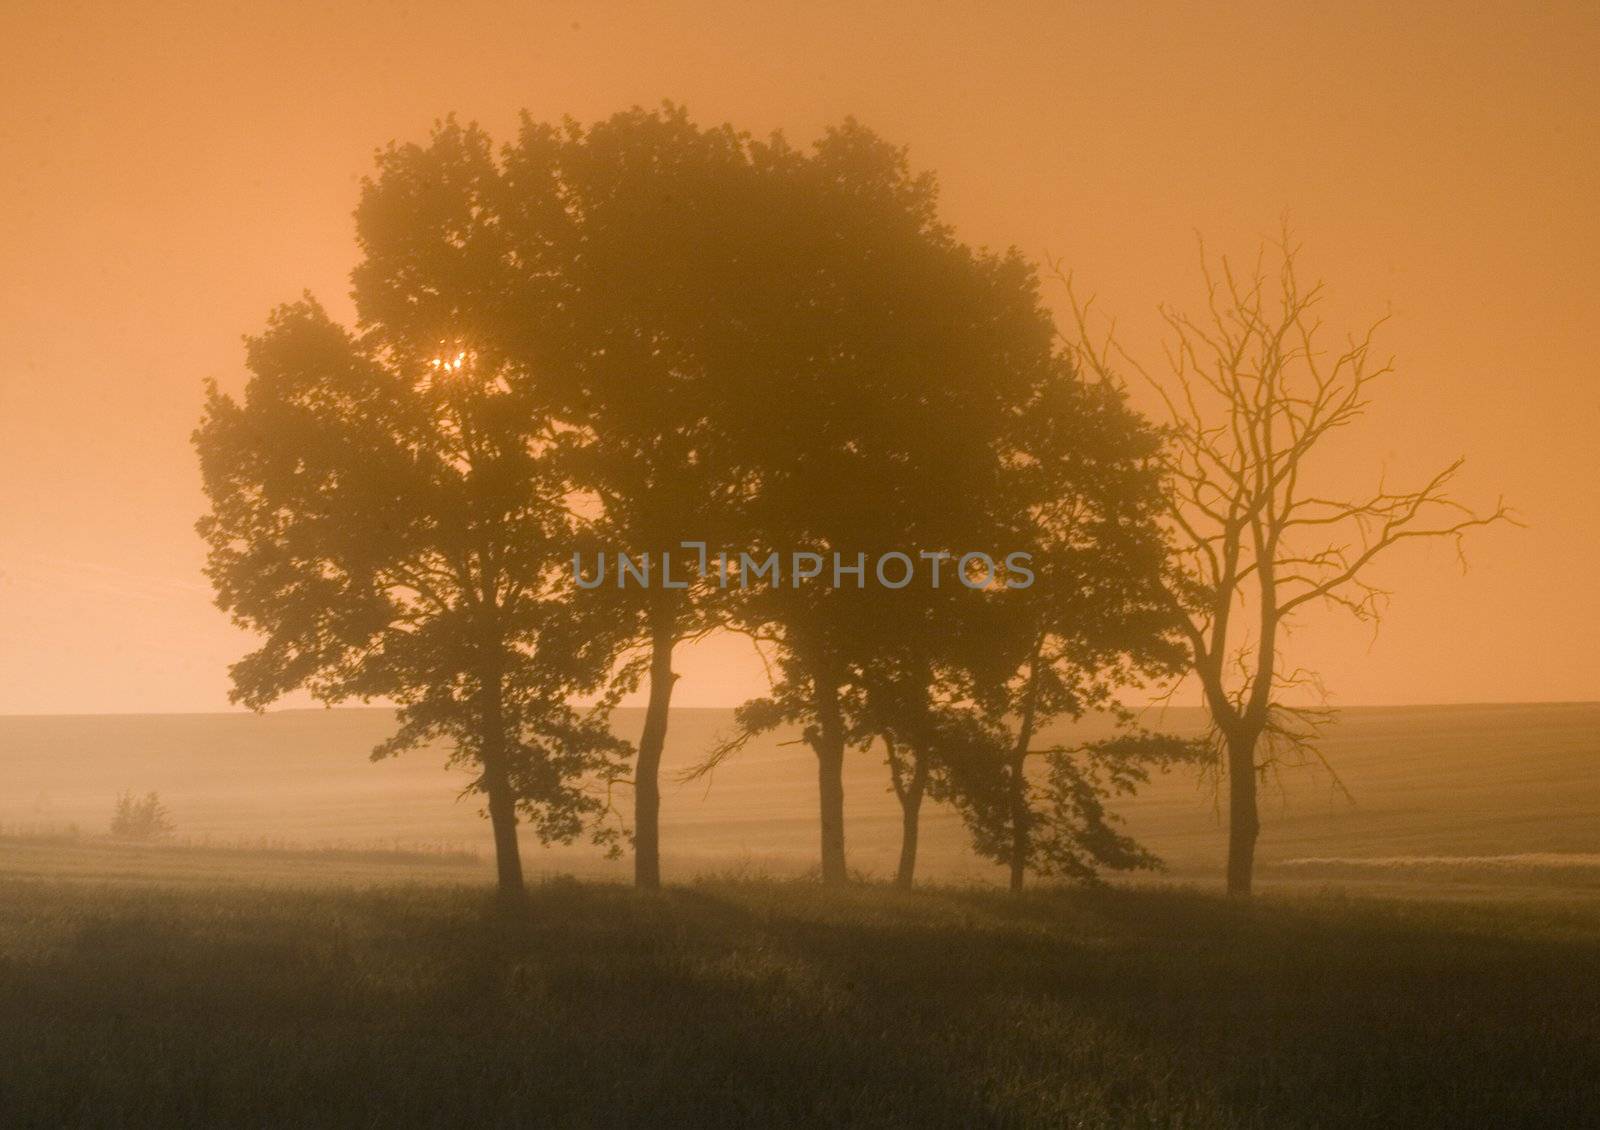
[1436,795]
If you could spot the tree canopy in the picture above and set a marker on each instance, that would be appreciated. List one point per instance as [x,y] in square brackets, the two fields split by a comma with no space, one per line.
[641,333]
[385,515]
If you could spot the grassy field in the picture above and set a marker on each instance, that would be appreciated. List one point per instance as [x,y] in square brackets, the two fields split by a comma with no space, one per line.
[277,990]
[318,946]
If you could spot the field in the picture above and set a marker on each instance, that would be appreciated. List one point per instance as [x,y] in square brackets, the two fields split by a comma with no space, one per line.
[1501,793]
[318,946]
[254,1002]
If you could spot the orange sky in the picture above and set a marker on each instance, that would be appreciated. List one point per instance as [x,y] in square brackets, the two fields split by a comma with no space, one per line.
[170,171]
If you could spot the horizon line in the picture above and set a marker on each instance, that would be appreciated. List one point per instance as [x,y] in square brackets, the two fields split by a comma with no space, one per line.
[352,709]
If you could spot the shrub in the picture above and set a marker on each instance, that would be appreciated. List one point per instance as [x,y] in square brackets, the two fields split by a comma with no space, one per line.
[143,818]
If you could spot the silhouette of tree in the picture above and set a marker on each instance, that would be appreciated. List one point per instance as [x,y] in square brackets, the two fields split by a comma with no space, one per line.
[1058,822]
[642,333]
[385,513]
[894,357]
[659,214]
[611,262]
[1254,396]
[913,389]
[1087,484]
[959,693]
[922,694]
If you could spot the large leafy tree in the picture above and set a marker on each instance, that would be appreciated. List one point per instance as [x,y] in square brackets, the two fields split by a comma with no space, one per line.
[389,515]
[960,693]
[610,262]
[657,215]
[896,361]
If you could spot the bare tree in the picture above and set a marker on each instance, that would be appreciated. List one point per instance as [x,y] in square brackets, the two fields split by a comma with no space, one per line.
[1251,393]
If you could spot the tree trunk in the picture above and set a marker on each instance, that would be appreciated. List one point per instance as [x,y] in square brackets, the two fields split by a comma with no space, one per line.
[1244,821]
[1021,817]
[497,784]
[830,790]
[647,773]
[829,747]
[1021,841]
[910,815]
[503,817]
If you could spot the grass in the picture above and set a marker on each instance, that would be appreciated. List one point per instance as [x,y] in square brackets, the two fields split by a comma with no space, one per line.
[255,1001]
[317,947]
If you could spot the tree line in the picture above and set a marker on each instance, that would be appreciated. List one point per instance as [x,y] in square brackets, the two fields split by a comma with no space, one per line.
[650,337]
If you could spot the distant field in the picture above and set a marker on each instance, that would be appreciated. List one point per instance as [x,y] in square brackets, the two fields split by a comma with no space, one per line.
[1472,795]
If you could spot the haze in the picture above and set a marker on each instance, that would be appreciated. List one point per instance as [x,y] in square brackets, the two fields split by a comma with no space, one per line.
[172,171]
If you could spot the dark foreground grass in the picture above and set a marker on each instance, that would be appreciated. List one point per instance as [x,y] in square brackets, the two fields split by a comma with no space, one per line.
[778,1004]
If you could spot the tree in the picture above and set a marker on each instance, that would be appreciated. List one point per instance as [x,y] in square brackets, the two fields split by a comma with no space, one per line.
[385,514]
[1253,395]
[610,262]
[915,398]
[1088,487]
[918,699]
[895,359]
[1058,823]
[959,690]
[658,213]
[916,686]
